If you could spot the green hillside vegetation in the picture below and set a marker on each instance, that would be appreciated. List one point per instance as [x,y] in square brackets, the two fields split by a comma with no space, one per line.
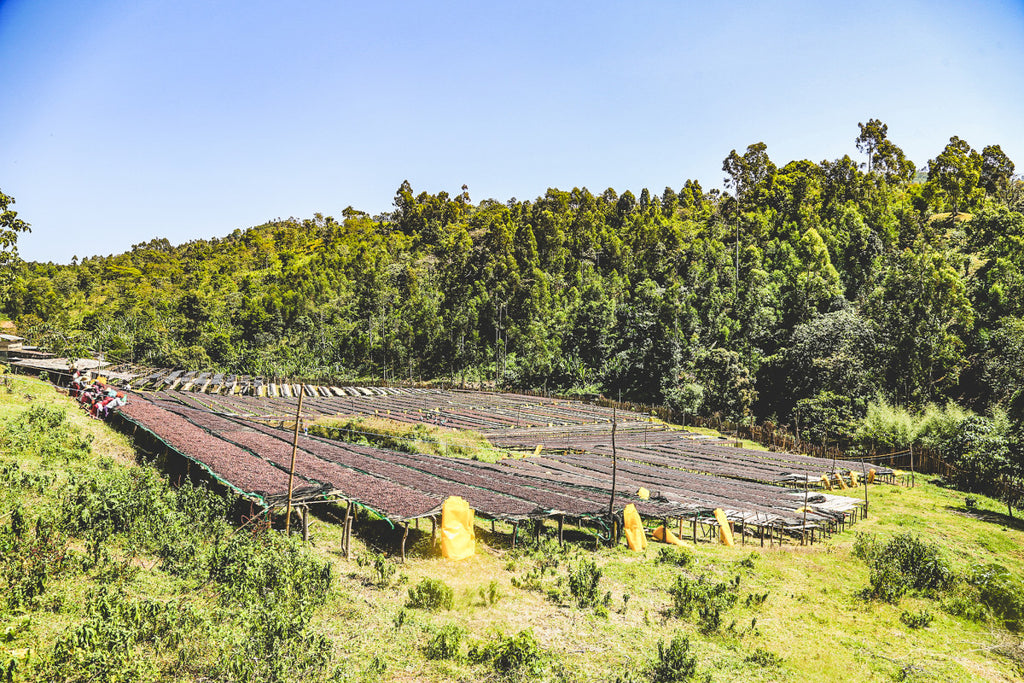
[803,292]
[109,574]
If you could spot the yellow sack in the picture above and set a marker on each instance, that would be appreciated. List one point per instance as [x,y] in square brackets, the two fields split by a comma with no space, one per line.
[458,541]
[853,479]
[724,530]
[643,494]
[633,527]
[665,536]
[871,476]
[842,484]
[828,484]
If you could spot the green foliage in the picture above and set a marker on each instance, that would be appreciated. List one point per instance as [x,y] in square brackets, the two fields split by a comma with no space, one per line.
[674,663]
[814,282]
[920,619]
[519,656]
[1002,593]
[431,594]
[584,585]
[45,432]
[903,563]
[446,642]
[702,595]
[676,556]
[764,658]
[30,560]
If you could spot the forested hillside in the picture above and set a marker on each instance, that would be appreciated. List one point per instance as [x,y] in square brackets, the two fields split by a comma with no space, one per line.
[814,286]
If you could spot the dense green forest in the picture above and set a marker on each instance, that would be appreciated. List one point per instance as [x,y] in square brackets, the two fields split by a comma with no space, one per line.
[817,289]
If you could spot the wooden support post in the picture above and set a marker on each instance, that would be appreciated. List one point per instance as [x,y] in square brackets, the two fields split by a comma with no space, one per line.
[405,535]
[492,526]
[291,470]
[305,523]
[433,532]
[695,528]
[515,533]
[561,521]
[346,529]
[680,527]
[760,532]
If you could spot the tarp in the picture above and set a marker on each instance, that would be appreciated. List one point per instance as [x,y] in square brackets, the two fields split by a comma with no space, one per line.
[633,527]
[724,530]
[458,540]
[665,536]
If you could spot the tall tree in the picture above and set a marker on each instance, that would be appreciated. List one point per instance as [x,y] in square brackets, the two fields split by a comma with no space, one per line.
[955,173]
[996,171]
[10,227]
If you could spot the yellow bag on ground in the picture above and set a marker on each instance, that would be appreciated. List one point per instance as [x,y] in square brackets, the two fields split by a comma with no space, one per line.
[871,476]
[458,541]
[827,483]
[643,494]
[853,479]
[665,536]
[724,530]
[633,527]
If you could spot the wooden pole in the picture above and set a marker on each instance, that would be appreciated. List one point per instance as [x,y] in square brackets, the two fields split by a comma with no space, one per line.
[291,470]
[911,465]
[405,535]
[611,501]
[864,476]
[305,522]
[803,535]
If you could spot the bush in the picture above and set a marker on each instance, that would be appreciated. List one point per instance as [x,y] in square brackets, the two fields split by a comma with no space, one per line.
[445,643]
[905,562]
[689,595]
[431,594]
[674,663]
[763,658]
[519,655]
[674,555]
[920,619]
[584,585]
[1002,593]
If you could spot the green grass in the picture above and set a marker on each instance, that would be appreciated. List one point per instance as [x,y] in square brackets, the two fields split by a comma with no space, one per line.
[814,625]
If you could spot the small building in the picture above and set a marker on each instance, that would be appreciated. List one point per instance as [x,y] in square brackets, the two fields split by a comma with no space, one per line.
[10,342]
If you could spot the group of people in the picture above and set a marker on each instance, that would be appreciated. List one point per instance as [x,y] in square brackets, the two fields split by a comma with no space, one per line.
[96,397]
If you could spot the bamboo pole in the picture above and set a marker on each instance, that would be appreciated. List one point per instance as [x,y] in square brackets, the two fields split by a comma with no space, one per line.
[803,535]
[911,465]
[611,502]
[291,470]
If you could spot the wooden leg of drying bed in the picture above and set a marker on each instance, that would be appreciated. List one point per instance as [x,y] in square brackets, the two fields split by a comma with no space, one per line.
[405,535]
[561,521]
[305,523]
[515,534]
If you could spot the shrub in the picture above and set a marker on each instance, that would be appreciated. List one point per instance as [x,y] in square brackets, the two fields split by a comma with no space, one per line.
[446,642]
[519,655]
[431,594]
[1002,593]
[920,619]
[674,663]
[903,563]
[674,555]
[763,658]
[584,585]
[383,571]
[689,595]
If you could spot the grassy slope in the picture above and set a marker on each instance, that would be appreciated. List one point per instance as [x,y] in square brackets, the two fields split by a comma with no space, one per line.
[813,617]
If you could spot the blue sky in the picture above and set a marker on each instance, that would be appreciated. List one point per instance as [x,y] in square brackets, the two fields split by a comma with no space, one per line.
[124,121]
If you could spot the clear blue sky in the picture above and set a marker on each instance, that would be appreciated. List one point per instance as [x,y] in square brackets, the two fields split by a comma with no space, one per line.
[121,121]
